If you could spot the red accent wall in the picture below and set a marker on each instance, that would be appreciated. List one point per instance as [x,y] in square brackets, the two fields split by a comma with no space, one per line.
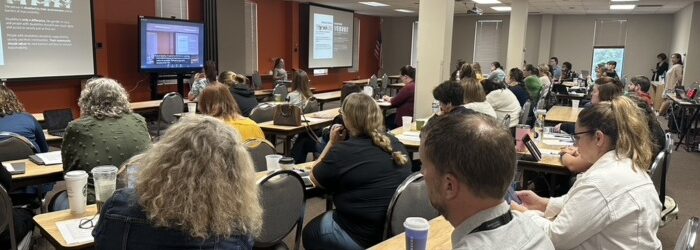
[116,29]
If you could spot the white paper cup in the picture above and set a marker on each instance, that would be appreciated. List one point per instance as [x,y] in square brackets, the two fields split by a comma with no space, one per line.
[76,186]
[192,107]
[407,120]
[417,233]
[574,104]
[273,162]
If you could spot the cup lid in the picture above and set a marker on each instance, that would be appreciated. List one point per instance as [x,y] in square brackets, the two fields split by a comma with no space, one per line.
[104,169]
[75,174]
[416,223]
[287,160]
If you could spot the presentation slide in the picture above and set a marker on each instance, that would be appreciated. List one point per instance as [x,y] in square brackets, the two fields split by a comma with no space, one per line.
[49,38]
[171,45]
[330,37]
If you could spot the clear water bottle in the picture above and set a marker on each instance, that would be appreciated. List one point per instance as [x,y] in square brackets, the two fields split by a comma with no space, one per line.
[436,106]
[539,123]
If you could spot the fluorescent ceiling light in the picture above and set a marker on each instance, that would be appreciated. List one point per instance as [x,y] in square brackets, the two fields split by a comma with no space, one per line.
[501,8]
[486,1]
[622,6]
[624,0]
[404,10]
[374,4]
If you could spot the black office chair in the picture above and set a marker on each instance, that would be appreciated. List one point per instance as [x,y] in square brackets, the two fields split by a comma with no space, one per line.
[7,222]
[257,81]
[15,147]
[263,112]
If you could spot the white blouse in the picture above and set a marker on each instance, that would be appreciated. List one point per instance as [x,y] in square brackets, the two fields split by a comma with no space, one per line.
[482,107]
[610,206]
[504,103]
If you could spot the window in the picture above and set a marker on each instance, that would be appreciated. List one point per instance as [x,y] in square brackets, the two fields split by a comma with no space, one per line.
[603,55]
[609,45]
[251,34]
[487,46]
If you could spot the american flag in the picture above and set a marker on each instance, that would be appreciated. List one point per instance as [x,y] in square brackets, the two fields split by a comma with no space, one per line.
[378,47]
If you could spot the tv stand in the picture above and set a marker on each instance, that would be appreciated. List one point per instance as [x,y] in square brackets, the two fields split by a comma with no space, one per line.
[155,77]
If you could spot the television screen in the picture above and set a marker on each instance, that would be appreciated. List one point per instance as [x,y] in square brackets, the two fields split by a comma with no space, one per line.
[330,37]
[171,46]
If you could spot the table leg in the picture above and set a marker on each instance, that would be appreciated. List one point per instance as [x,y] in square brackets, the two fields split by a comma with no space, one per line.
[685,129]
[288,145]
[320,105]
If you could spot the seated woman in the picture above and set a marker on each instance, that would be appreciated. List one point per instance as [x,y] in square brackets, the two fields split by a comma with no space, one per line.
[14,119]
[201,83]
[403,101]
[467,72]
[218,102]
[107,133]
[613,204]
[241,92]
[301,90]
[187,195]
[545,76]
[497,73]
[532,83]
[516,84]
[503,101]
[362,173]
[475,98]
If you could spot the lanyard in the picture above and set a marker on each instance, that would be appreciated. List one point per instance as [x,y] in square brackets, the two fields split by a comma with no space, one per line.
[494,223]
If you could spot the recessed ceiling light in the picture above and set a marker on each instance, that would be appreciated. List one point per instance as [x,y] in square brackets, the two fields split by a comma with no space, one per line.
[624,0]
[622,6]
[501,8]
[486,1]
[404,10]
[374,4]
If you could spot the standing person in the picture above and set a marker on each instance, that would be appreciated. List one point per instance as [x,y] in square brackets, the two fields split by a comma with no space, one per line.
[362,172]
[301,89]
[516,84]
[279,74]
[497,73]
[661,67]
[674,78]
[403,101]
[206,201]
[107,133]
[475,98]
[218,102]
[455,74]
[613,204]
[241,91]
[554,68]
[199,85]
[532,83]
[468,188]
[545,76]
[503,101]
[14,119]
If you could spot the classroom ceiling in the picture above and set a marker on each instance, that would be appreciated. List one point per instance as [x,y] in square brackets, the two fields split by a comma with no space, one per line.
[576,7]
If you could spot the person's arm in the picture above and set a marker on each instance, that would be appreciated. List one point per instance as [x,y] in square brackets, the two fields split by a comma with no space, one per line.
[321,167]
[403,96]
[574,163]
[40,138]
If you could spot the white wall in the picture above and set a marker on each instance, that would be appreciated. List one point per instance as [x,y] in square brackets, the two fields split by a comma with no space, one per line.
[572,40]
[692,60]
[681,29]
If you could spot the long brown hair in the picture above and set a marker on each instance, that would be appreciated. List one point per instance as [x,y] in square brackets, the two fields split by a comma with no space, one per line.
[467,71]
[217,101]
[473,91]
[363,114]
[8,102]
[300,83]
[626,124]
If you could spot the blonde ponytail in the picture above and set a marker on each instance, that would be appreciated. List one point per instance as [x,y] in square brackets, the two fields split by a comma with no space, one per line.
[634,135]
[384,142]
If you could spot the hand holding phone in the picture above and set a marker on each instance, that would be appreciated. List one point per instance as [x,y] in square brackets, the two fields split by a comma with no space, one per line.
[337,133]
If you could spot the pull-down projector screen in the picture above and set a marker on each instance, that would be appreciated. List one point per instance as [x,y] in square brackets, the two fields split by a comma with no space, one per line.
[330,37]
[46,39]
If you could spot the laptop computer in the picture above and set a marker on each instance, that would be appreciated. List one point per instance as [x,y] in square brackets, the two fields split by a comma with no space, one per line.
[57,121]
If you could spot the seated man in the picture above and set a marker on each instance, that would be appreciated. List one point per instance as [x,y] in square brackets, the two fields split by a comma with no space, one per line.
[467,188]
[640,85]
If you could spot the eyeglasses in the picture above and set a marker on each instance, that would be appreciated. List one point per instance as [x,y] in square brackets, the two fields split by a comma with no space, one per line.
[87,223]
[576,137]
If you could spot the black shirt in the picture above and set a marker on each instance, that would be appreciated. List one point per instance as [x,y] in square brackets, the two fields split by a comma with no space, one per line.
[520,93]
[363,179]
[245,98]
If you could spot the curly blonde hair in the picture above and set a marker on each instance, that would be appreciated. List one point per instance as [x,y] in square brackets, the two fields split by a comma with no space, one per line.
[104,98]
[199,178]
[8,102]
[363,114]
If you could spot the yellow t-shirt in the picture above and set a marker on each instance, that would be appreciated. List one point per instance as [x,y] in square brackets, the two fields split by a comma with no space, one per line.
[247,128]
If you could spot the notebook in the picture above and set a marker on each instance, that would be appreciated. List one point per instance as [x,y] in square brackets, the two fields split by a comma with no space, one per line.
[15,167]
[73,234]
[49,158]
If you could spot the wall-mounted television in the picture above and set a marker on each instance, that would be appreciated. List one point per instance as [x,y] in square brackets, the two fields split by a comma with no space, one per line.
[170,45]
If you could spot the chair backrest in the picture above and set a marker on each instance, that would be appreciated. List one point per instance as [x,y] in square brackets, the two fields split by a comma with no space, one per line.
[282,200]
[506,121]
[262,113]
[6,216]
[689,235]
[656,173]
[665,168]
[282,90]
[56,198]
[126,176]
[57,119]
[410,200]
[311,105]
[348,89]
[15,147]
[172,104]
[257,81]
[525,112]
[385,84]
[258,149]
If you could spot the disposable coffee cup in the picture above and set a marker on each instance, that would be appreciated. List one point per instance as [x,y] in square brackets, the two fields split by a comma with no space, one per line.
[420,123]
[416,233]
[192,107]
[286,163]
[278,98]
[105,180]
[574,104]
[273,162]
[76,187]
[407,121]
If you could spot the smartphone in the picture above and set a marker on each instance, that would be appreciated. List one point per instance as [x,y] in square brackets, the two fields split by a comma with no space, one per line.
[511,196]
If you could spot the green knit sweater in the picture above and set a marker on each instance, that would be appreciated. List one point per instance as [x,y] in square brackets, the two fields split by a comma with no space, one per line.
[534,87]
[90,142]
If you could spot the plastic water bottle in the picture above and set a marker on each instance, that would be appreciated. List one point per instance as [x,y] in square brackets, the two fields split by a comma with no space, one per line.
[539,123]
[436,106]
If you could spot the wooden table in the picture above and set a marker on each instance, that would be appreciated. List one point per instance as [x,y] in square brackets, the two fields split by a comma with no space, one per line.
[36,174]
[47,224]
[317,120]
[323,98]
[361,82]
[562,114]
[410,145]
[264,93]
[39,117]
[439,237]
